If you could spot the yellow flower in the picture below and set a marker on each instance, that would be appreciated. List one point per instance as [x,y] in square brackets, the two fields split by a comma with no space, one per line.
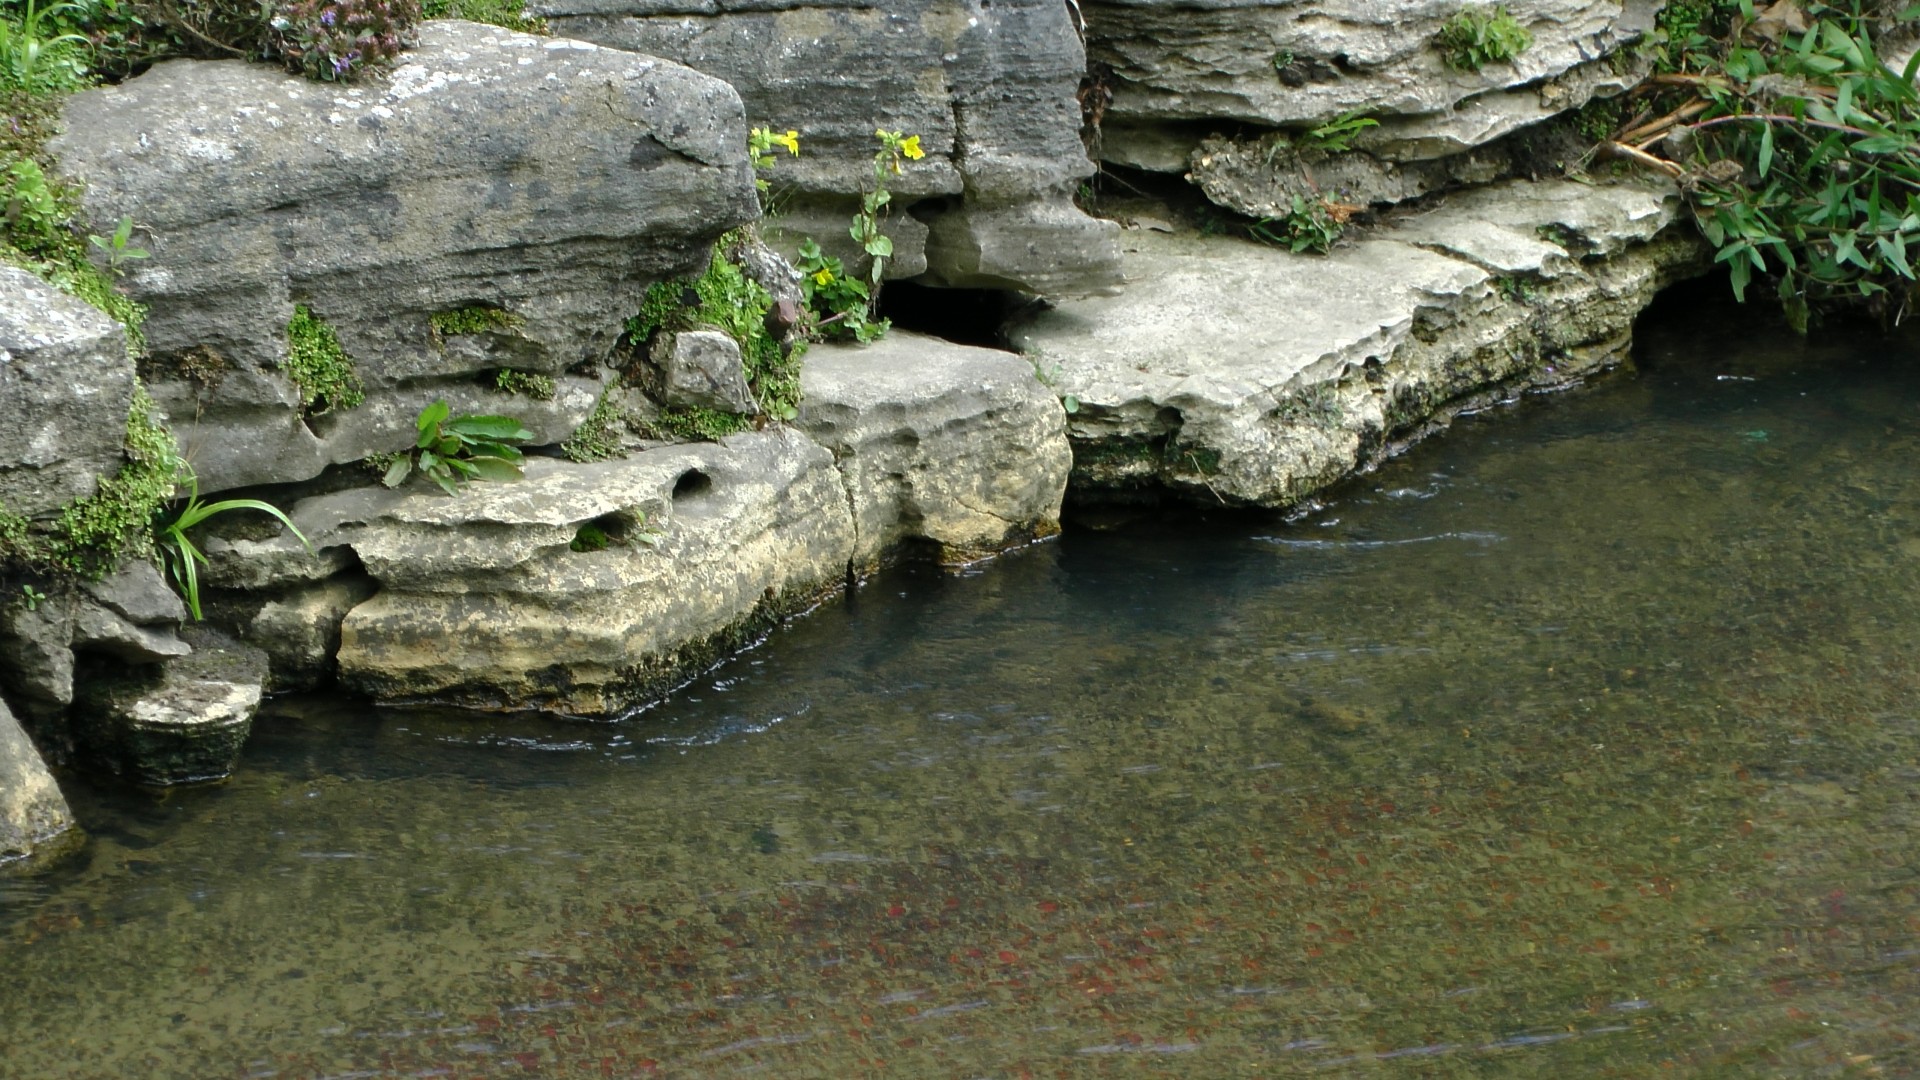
[822,276]
[791,140]
[911,147]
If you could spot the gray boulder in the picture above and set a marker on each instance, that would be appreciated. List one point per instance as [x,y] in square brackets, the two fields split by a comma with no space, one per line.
[579,175]
[989,88]
[33,813]
[1280,63]
[702,369]
[180,722]
[1206,380]
[65,387]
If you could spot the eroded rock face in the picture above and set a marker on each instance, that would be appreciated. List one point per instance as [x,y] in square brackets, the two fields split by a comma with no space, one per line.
[988,87]
[1296,65]
[935,441]
[33,813]
[65,387]
[548,179]
[591,588]
[179,722]
[1238,372]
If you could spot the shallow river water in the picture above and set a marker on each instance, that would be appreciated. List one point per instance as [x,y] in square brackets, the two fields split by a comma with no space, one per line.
[1583,740]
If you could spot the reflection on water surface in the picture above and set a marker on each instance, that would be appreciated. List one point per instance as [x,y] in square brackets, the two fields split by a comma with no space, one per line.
[1580,741]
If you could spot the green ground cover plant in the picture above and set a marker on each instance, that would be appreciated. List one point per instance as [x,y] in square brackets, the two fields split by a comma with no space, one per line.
[178,554]
[1797,146]
[1478,36]
[451,450]
[319,367]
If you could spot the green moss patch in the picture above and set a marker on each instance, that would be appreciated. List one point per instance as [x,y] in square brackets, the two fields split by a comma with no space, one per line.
[475,319]
[529,384]
[319,366]
[598,436]
[94,533]
[724,299]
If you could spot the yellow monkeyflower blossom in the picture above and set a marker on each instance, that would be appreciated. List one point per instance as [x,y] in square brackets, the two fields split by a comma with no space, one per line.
[910,146]
[791,140]
[823,276]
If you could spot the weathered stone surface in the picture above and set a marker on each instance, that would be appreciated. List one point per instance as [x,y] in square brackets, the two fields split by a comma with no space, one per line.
[550,179]
[1295,65]
[936,441]
[483,603]
[989,88]
[136,592]
[298,627]
[98,630]
[702,369]
[33,813]
[37,672]
[65,387]
[1239,372]
[1260,177]
[592,588]
[174,723]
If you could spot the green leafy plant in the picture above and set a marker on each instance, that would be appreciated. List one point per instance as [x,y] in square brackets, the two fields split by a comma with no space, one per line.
[1800,153]
[32,597]
[451,450]
[34,214]
[178,554]
[841,303]
[1310,225]
[116,248]
[761,142]
[1476,37]
[319,367]
[1336,136]
[34,53]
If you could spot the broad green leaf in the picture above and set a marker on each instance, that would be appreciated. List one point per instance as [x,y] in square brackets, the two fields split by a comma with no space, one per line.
[489,427]
[493,468]
[1766,149]
[430,418]
[397,472]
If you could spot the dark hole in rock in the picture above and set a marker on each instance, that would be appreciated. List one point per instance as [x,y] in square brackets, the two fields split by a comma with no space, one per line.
[692,483]
[618,529]
[962,316]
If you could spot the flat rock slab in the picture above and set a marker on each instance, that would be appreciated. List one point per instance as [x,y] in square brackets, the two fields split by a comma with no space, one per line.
[590,589]
[1284,63]
[1241,372]
[179,722]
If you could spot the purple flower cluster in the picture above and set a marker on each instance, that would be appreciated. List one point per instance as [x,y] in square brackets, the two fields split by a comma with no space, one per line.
[332,40]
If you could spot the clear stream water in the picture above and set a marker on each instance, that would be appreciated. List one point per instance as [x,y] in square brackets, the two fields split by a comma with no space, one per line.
[1581,741]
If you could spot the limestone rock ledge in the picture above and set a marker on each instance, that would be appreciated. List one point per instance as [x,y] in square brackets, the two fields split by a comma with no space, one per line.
[1241,373]
[590,589]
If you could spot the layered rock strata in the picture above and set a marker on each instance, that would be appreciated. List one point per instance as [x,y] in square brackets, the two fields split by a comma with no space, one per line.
[589,589]
[1236,372]
[989,88]
[496,201]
